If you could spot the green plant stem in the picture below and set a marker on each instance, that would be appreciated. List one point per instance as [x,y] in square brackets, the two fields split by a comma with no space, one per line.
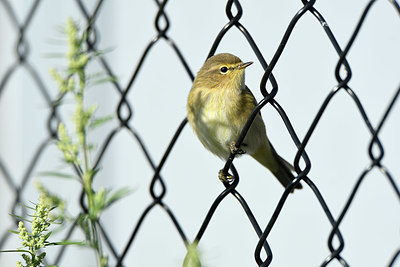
[88,174]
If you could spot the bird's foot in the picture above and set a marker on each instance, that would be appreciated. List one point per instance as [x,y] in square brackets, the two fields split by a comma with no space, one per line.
[225,177]
[236,150]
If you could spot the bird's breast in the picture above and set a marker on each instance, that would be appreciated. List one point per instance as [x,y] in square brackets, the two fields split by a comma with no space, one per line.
[215,124]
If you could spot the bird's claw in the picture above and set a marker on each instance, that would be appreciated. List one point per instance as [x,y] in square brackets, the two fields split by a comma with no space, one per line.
[236,150]
[225,177]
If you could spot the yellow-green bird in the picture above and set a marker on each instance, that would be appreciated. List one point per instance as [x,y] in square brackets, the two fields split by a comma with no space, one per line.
[218,107]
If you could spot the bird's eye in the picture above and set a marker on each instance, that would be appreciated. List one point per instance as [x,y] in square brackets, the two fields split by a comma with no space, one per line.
[223,69]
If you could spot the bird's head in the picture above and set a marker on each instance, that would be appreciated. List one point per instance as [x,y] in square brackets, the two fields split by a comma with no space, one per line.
[222,71]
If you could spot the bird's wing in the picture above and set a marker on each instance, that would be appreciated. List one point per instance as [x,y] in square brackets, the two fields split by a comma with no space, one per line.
[249,97]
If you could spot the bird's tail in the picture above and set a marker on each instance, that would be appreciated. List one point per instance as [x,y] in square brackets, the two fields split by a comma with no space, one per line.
[280,168]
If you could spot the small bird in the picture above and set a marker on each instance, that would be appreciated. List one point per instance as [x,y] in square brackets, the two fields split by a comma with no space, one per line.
[219,105]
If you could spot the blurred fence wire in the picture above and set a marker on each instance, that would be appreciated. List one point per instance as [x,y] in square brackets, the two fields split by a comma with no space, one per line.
[234,11]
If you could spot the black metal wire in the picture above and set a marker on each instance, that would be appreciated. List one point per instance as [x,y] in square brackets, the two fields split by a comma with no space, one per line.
[124,113]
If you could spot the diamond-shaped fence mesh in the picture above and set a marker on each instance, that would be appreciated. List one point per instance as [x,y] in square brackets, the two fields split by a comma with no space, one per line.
[335,112]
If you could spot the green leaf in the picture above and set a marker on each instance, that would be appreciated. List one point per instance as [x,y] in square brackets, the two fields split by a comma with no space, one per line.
[15,250]
[99,198]
[58,175]
[20,218]
[14,232]
[31,208]
[117,195]
[47,235]
[94,123]
[102,52]
[41,256]
[101,77]
[67,243]
[96,75]
[26,258]
[103,80]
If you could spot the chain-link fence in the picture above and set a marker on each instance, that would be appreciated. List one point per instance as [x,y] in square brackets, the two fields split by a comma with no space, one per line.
[143,157]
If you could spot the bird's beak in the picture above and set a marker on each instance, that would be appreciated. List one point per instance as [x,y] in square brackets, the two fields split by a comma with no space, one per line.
[244,65]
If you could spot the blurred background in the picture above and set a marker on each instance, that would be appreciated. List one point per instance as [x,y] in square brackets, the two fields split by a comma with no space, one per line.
[338,148]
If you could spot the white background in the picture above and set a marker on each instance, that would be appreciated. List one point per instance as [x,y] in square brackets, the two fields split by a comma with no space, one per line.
[305,73]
